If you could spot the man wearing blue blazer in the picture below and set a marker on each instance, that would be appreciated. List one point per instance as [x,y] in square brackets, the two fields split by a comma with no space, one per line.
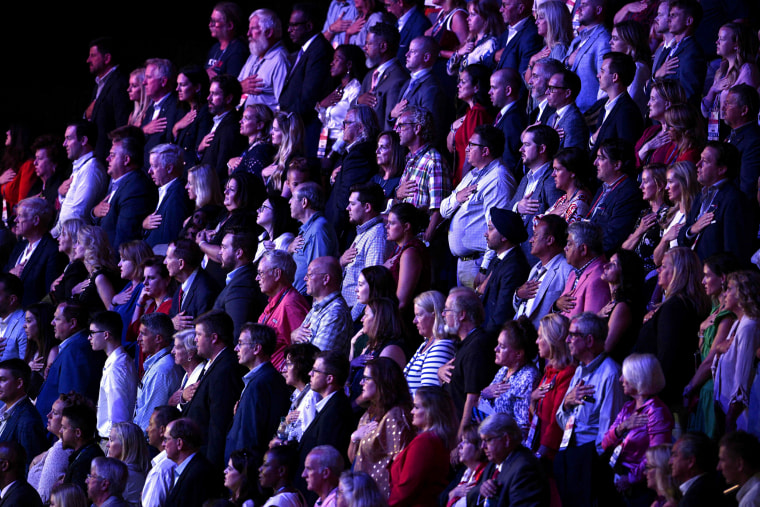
[584,56]
[164,224]
[520,40]
[20,420]
[164,110]
[411,23]
[131,196]
[511,118]
[567,119]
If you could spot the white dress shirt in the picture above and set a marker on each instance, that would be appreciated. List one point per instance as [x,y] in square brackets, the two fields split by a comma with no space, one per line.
[118,391]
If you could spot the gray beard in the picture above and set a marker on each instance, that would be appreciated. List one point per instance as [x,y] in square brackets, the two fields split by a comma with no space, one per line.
[453,330]
[258,47]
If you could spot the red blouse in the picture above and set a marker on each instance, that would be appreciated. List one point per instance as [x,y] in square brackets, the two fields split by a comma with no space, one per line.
[418,473]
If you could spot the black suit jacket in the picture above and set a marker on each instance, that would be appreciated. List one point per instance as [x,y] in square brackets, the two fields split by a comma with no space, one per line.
[199,298]
[242,299]
[624,121]
[227,143]
[191,136]
[618,213]
[512,124]
[175,207]
[111,109]
[198,482]
[43,267]
[707,490]
[734,226]
[265,399]
[506,276]
[747,140]
[79,464]
[691,69]
[521,481]
[21,494]
[135,198]
[358,166]
[25,427]
[308,81]
[523,45]
[387,91]
[428,94]
[213,403]
[171,110]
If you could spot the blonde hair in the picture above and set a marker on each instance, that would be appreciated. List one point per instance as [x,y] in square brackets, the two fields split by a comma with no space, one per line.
[141,105]
[553,330]
[291,126]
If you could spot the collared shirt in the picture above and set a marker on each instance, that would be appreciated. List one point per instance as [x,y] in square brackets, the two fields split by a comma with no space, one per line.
[684,487]
[559,114]
[469,220]
[100,82]
[331,500]
[191,379]
[249,376]
[537,272]
[13,335]
[6,414]
[156,105]
[185,286]
[27,253]
[345,10]
[593,418]
[307,411]
[329,321]
[217,120]
[89,182]
[181,468]
[372,248]
[512,30]
[273,68]
[284,313]
[118,391]
[162,191]
[404,18]
[231,275]
[321,403]
[162,377]
[534,177]
[4,491]
[319,240]
[749,494]
[427,168]
[159,481]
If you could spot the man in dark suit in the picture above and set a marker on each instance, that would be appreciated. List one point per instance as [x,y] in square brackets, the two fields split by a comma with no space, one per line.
[567,119]
[309,80]
[265,398]
[13,462]
[720,219]
[692,465]
[539,110]
[196,289]
[110,105]
[508,270]
[164,224]
[684,61]
[224,140]
[513,476]
[618,202]
[334,421]
[131,195]
[78,432]
[536,191]
[620,117]
[164,111]
[196,479]
[77,367]
[35,259]
[511,118]
[383,82]
[358,165]
[219,386]
[20,420]
[423,89]
[241,297]
[520,40]
[412,23]
[740,110]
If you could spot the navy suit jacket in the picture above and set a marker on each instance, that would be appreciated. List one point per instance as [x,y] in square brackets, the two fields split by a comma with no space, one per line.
[175,207]
[135,198]
[521,481]
[241,298]
[111,109]
[213,403]
[624,121]
[733,230]
[387,90]
[265,399]
[308,81]
[414,27]
[508,274]
[199,298]
[43,267]
[170,110]
[747,140]
[199,481]
[25,427]
[691,69]
[21,494]
[77,368]
[617,214]
[227,143]
[428,93]
[512,124]
[574,125]
[523,45]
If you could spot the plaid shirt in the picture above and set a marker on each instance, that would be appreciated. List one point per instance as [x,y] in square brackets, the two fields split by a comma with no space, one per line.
[371,249]
[428,169]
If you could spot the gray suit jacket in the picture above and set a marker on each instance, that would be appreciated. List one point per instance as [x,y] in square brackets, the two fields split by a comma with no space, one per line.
[574,126]
[387,91]
[587,63]
[552,285]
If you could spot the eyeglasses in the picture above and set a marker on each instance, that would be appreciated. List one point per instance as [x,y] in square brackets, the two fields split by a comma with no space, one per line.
[553,89]
[261,273]
[95,477]
[263,207]
[399,126]
[346,123]
[314,370]
[575,334]
[471,144]
[93,333]
[247,344]
[447,310]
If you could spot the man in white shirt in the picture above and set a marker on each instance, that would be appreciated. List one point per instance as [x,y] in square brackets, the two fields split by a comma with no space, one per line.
[739,462]
[88,182]
[160,477]
[118,385]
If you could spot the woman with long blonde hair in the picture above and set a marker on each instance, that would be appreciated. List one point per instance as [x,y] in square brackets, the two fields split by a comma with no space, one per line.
[288,137]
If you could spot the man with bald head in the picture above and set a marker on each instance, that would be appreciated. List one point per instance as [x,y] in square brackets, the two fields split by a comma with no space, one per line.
[15,489]
[511,118]
[328,324]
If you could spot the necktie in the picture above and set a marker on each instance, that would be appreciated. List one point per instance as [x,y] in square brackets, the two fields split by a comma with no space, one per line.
[375,80]
[498,119]
[181,294]
[731,137]
[298,57]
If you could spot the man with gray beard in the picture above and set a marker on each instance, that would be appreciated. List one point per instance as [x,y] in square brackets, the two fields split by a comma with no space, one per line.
[264,73]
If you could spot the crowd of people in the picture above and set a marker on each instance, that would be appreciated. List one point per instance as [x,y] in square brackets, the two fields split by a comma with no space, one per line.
[479,253]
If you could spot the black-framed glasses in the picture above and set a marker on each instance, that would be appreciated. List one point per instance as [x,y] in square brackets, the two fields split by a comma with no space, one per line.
[323,372]
[575,334]
[93,333]
[96,477]
[471,144]
[554,89]
[399,126]
[346,123]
